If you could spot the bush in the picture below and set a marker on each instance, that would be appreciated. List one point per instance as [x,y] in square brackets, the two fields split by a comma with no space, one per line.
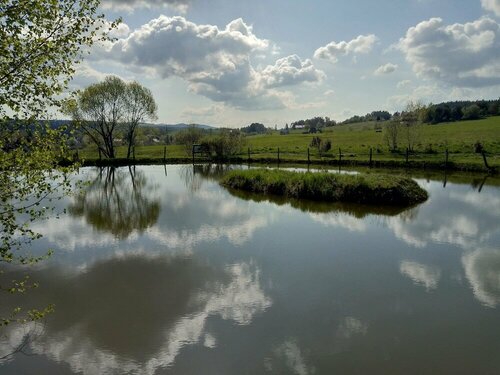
[322,146]
[188,137]
[226,143]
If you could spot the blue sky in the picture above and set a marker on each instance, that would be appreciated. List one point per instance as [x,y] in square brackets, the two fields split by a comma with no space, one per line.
[231,63]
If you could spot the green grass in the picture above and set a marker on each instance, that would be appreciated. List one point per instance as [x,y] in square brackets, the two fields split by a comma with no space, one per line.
[363,188]
[355,142]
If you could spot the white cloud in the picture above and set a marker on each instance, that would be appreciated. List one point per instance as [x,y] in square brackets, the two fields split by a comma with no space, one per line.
[386,69]
[332,51]
[215,62]
[129,5]
[491,5]
[403,83]
[463,55]
[203,112]
[290,70]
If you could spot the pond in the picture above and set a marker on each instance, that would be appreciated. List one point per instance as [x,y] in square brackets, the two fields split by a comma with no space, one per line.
[160,270]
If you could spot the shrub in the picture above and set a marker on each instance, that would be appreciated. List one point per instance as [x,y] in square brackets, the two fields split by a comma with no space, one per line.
[226,143]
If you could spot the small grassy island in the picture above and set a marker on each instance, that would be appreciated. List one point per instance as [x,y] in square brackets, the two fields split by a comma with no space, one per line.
[363,188]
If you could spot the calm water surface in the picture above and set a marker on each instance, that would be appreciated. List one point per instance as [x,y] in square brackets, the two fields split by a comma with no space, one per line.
[160,270]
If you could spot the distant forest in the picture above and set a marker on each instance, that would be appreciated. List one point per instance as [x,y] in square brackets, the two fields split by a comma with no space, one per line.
[442,112]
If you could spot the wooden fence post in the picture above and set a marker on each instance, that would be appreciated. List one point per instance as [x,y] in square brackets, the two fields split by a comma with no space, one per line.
[340,155]
[484,159]
[164,154]
[308,156]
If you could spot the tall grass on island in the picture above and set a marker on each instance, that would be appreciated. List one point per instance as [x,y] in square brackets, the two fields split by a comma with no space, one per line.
[363,188]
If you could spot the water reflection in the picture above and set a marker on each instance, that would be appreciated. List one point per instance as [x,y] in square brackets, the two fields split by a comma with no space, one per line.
[137,314]
[118,202]
[460,217]
[289,359]
[194,175]
[421,274]
[356,210]
[482,268]
[223,281]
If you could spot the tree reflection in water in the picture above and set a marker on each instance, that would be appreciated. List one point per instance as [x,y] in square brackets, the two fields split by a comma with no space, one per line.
[194,175]
[118,202]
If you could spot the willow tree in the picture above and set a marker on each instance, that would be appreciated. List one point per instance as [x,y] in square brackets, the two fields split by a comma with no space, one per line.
[111,106]
[140,106]
[41,41]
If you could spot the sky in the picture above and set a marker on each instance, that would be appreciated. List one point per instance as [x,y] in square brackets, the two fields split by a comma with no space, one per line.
[231,63]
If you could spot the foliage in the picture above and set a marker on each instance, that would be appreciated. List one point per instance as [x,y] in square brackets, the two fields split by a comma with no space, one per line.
[457,137]
[254,128]
[140,106]
[373,116]
[391,133]
[189,137]
[367,188]
[471,112]
[224,144]
[41,41]
[314,123]
[105,107]
[30,180]
[322,146]
[411,120]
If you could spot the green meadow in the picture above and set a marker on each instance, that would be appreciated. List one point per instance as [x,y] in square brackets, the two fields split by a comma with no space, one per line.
[354,142]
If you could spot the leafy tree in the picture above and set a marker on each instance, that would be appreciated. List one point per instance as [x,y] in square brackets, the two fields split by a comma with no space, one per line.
[392,132]
[411,121]
[104,108]
[226,143]
[99,110]
[188,137]
[41,41]
[471,112]
[139,106]
[255,127]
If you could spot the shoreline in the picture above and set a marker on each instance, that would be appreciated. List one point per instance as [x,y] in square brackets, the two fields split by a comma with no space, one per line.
[389,164]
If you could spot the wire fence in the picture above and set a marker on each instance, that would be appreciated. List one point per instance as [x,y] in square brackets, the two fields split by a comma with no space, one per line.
[372,156]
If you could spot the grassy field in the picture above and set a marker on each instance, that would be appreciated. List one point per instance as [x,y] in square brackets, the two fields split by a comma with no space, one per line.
[355,142]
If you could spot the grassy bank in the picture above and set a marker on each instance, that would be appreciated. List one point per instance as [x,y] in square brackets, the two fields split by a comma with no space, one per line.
[365,189]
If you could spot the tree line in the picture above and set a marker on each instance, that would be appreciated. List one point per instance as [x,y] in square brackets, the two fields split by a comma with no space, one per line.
[437,113]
